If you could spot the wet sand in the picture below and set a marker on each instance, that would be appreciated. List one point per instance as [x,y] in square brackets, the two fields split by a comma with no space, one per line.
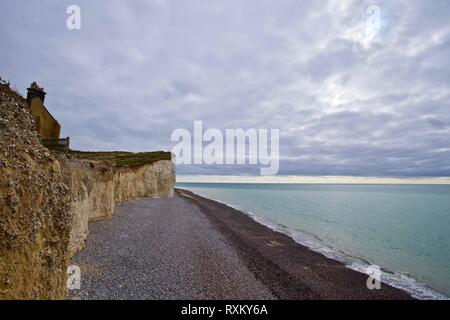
[190,247]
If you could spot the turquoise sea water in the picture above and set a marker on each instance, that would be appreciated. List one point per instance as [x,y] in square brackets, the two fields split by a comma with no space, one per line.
[404,229]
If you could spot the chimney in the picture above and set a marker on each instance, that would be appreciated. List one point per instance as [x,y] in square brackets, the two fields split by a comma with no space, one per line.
[35,91]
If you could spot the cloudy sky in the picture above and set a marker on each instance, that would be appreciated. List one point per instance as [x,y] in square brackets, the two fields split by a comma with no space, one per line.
[348,100]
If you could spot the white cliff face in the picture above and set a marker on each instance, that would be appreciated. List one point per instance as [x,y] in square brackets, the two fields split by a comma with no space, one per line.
[92,196]
[97,187]
[154,180]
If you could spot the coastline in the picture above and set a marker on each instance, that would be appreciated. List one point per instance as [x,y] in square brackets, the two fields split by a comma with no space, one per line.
[290,269]
[314,180]
[190,247]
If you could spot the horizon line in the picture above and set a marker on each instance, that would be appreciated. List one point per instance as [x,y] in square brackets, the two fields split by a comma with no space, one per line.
[302,179]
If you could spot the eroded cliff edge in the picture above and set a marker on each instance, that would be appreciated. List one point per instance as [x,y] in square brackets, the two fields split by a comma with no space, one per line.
[47,200]
[95,187]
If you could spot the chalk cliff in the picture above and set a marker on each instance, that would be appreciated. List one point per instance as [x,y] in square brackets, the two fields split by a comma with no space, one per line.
[34,202]
[47,200]
[96,187]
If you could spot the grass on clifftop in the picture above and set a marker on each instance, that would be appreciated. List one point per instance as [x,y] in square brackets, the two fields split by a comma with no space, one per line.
[122,158]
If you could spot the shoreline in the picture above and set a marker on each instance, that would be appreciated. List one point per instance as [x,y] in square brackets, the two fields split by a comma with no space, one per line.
[339,180]
[404,282]
[290,269]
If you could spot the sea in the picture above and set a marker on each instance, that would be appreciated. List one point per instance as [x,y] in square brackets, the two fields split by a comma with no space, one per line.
[403,229]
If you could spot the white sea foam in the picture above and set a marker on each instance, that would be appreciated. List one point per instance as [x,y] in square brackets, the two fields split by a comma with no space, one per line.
[401,281]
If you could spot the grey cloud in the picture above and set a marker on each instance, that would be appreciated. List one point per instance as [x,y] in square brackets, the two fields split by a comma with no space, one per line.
[138,70]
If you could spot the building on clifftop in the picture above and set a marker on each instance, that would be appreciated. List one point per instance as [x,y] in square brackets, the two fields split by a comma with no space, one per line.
[47,126]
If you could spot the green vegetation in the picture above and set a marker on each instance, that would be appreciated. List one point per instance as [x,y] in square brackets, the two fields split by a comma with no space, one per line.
[122,158]
[137,159]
